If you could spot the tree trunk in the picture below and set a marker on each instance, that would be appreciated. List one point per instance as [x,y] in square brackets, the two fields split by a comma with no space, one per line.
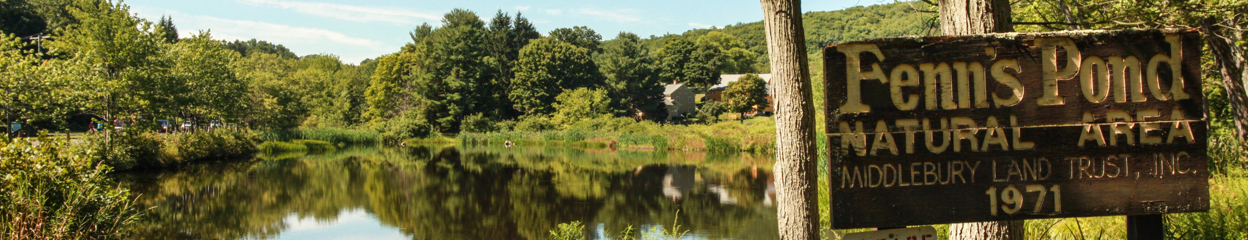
[796,156]
[966,17]
[1231,62]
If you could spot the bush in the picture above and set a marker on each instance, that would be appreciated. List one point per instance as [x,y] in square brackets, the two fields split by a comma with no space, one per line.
[129,150]
[403,127]
[147,150]
[50,191]
[534,124]
[477,123]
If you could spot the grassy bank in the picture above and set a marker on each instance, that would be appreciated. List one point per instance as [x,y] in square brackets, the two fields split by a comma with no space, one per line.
[50,191]
[301,145]
[757,135]
[336,136]
[150,150]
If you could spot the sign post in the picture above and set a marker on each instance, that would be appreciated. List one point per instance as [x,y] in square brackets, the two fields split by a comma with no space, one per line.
[1015,126]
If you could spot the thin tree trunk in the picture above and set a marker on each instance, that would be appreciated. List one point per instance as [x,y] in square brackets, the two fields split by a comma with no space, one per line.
[967,17]
[796,156]
[1231,62]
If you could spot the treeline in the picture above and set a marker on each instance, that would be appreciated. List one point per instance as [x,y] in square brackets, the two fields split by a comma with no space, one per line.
[467,74]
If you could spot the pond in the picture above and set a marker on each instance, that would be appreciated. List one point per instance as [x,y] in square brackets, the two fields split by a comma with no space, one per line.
[450,192]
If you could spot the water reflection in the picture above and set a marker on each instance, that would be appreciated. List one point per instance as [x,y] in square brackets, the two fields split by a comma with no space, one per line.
[436,192]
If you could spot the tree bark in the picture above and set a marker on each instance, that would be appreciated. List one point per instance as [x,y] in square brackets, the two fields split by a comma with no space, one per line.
[967,17]
[796,156]
[1231,61]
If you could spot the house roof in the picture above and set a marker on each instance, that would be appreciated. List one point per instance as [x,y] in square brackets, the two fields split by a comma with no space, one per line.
[725,79]
[669,88]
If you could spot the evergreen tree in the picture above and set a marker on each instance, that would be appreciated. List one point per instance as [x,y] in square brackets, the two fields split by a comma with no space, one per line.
[631,81]
[456,77]
[547,67]
[166,30]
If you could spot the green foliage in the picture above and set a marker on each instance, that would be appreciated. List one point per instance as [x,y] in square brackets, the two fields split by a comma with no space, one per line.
[695,65]
[27,84]
[455,74]
[505,39]
[148,150]
[745,95]
[275,102]
[253,46]
[579,36]
[477,123]
[529,123]
[580,104]
[631,81]
[545,68]
[167,30]
[340,135]
[568,231]
[202,81]
[710,110]
[404,127]
[50,191]
[734,57]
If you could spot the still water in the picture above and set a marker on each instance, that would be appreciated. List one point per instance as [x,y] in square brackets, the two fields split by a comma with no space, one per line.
[447,192]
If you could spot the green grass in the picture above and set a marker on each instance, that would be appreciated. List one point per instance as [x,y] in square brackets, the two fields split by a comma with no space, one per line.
[433,140]
[316,146]
[281,147]
[332,135]
[756,135]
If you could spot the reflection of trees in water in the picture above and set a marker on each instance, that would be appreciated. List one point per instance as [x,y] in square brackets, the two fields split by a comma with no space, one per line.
[450,193]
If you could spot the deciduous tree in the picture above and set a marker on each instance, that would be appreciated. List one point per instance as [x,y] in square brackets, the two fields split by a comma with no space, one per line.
[547,67]
[746,94]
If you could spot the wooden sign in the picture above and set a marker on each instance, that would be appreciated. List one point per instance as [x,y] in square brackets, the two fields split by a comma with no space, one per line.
[1015,126]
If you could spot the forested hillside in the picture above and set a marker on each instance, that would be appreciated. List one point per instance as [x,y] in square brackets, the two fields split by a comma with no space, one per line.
[823,28]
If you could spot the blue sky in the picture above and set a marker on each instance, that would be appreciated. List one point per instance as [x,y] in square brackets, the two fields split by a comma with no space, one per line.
[356,30]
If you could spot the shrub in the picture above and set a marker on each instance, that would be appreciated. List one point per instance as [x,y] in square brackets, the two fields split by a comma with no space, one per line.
[146,150]
[534,124]
[477,123]
[50,191]
[403,127]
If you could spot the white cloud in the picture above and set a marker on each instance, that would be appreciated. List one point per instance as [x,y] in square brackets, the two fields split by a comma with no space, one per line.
[699,25]
[265,30]
[350,12]
[622,15]
[301,40]
[554,11]
[523,8]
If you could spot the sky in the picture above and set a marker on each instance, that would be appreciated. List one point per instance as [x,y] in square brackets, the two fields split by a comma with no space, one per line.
[357,30]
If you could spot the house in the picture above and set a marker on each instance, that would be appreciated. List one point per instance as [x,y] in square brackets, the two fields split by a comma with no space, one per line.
[679,100]
[716,92]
